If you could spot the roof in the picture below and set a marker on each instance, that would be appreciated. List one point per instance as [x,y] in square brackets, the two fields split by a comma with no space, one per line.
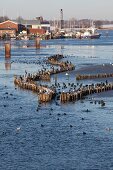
[15,22]
[7,28]
[45,22]
[28,22]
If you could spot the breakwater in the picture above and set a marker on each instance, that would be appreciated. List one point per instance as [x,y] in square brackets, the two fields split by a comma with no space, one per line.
[53,60]
[93,76]
[84,91]
[45,93]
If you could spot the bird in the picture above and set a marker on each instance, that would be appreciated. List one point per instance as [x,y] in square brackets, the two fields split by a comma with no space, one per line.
[42,125]
[18,128]
[108,129]
[84,133]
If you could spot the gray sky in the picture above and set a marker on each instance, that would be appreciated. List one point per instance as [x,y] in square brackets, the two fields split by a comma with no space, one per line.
[50,9]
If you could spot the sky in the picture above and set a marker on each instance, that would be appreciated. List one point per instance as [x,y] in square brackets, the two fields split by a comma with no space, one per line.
[50,9]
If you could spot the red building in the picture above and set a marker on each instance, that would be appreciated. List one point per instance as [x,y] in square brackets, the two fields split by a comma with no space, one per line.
[8,27]
[12,28]
[36,31]
[9,24]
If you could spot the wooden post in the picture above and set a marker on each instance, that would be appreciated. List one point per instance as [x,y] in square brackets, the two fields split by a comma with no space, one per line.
[37,42]
[7,50]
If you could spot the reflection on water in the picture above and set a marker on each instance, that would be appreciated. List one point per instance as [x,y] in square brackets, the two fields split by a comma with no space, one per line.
[50,136]
[7,64]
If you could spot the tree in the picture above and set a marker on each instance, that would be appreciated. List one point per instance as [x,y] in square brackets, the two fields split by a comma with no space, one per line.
[3,18]
[19,19]
[98,23]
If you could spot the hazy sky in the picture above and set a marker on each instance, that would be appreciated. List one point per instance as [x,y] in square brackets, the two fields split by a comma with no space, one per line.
[50,9]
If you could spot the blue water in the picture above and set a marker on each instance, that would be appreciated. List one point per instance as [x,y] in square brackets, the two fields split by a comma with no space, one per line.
[43,139]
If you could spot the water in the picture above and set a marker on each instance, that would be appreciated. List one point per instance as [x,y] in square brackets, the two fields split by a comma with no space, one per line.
[44,139]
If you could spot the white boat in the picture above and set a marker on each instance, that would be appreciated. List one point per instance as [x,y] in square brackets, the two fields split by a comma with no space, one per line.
[91,33]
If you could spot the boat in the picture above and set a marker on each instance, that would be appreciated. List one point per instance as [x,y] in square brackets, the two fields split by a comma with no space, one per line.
[91,33]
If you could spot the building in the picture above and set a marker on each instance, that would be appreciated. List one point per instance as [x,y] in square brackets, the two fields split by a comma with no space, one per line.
[9,28]
[30,24]
[15,27]
[37,26]
[36,31]
[45,25]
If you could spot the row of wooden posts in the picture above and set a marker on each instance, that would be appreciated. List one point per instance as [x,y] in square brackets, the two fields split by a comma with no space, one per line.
[82,92]
[46,75]
[64,66]
[45,93]
[93,76]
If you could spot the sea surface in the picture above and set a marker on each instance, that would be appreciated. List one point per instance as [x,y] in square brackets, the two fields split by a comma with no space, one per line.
[70,136]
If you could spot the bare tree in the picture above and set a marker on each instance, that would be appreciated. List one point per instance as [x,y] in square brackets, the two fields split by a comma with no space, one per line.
[3,18]
[98,23]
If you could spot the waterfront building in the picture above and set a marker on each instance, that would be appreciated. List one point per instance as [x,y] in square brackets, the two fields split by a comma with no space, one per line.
[12,28]
[8,28]
[45,25]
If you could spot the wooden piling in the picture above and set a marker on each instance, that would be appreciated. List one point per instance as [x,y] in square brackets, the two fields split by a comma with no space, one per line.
[46,94]
[93,76]
[7,50]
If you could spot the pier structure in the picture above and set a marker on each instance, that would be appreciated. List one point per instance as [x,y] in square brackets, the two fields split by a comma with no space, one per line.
[46,93]
[53,60]
[93,76]
[84,91]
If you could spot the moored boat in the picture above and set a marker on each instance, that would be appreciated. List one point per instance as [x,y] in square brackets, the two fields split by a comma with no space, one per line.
[91,33]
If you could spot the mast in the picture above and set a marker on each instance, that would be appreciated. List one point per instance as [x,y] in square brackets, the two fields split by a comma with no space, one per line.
[61,19]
